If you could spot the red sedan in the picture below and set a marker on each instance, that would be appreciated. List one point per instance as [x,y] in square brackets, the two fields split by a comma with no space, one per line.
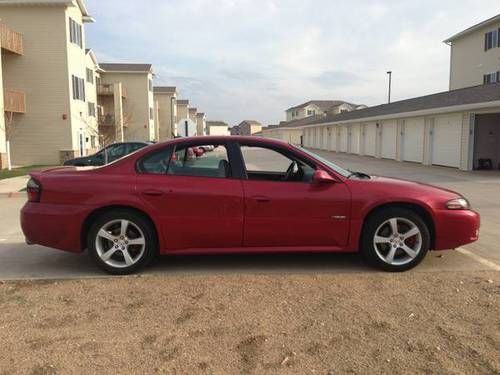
[249,195]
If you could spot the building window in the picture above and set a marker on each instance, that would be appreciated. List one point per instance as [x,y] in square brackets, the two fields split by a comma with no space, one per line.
[91,109]
[491,78]
[492,39]
[151,113]
[90,76]
[311,112]
[78,88]
[150,85]
[75,33]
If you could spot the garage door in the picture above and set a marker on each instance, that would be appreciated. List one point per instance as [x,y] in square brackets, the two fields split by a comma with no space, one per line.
[389,131]
[446,140]
[343,139]
[324,138]
[413,140]
[370,139]
[355,138]
[333,136]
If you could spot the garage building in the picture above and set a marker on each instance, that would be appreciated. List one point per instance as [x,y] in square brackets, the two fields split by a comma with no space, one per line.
[458,128]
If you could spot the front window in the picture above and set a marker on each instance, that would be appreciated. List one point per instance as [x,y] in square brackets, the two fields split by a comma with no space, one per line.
[335,167]
[200,161]
[491,39]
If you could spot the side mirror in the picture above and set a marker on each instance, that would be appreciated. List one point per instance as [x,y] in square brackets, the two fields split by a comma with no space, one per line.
[321,177]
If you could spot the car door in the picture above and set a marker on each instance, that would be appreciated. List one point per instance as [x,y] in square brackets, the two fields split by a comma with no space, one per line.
[294,212]
[197,200]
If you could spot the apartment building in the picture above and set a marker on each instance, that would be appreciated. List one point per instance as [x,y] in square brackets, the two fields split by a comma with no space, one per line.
[246,127]
[201,123]
[217,128]
[320,107]
[165,98]
[51,75]
[192,113]
[185,125]
[475,55]
[12,101]
[138,110]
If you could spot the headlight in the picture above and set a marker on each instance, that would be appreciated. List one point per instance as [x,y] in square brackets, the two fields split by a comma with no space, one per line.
[458,204]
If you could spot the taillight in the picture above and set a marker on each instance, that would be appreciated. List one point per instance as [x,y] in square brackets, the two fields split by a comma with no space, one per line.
[34,190]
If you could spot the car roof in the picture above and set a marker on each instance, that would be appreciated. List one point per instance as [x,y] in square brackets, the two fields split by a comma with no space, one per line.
[225,138]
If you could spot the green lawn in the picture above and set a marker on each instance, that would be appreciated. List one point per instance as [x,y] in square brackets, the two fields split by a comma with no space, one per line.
[5,173]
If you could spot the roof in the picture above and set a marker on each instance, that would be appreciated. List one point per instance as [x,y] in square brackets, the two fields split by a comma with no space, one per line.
[217,123]
[126,67]
[200,114]
[81,4]
[324,105]
[164,89]
[250,122]
[192,109]
[471,29]
[465,96]
[183,101]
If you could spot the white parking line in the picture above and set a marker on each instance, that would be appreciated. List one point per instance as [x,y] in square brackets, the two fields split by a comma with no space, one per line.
[480,259]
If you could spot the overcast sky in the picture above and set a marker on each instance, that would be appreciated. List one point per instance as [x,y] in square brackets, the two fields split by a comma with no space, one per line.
[252,59]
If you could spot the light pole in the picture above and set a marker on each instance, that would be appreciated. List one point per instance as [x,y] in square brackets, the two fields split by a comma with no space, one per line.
[390,82]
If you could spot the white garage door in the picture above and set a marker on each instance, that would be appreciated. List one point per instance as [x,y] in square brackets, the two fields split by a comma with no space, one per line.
[333,136]
[413,140]
[343,139]
[389,131]
[446,140]
[355,138]
[370,139]
[324,138]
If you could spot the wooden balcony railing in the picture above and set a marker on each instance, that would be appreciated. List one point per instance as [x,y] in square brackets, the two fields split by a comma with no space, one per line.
[14,101]
[108,89]
[10,40]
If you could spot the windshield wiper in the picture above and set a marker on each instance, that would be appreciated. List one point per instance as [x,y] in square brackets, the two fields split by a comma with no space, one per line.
[359,175]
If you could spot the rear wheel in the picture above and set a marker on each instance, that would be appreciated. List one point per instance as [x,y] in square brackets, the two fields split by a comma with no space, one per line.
[395,239]
[121,241]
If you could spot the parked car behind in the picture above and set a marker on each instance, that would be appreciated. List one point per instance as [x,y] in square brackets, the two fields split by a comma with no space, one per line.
[108,154]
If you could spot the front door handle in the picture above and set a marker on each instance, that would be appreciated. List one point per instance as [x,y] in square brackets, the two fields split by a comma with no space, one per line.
[261,199]
[152,193]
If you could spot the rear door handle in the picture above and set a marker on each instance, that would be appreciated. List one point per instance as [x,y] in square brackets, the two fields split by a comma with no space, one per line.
[261,199]
[152,193]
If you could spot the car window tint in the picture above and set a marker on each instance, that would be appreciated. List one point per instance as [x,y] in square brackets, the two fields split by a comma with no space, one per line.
[135,146]
[194,161]
[155,162]
[117,151]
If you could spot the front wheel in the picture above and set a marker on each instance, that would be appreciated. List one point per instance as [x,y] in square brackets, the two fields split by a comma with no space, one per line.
[121,241]
[395,239]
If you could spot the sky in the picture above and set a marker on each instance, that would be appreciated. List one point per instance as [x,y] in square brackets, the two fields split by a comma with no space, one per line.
[241,60]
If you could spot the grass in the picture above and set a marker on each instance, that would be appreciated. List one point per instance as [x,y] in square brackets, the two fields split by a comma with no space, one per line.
[22,171]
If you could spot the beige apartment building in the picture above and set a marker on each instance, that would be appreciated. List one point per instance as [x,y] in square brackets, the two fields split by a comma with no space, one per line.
[475,55]
[217,128]
[165,98]
[320,107]
[247,127]
[12,101]
[138,106]
[49,77]
[201,123]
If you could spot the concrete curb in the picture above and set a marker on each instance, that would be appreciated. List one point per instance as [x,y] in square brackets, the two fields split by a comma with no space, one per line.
[12,194]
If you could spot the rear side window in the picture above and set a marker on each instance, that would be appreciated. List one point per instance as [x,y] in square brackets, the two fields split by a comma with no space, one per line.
[155,162]
[200,161]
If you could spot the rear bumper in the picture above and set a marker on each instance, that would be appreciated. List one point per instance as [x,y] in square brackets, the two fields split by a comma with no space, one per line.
[53,225]
[455,228]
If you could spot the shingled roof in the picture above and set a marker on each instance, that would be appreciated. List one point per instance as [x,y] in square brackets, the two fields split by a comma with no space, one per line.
[324,105]
[122,67]
[183,101]
[465,96]
[164,89]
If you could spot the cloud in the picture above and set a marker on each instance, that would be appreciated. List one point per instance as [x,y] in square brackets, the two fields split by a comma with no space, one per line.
[241,59]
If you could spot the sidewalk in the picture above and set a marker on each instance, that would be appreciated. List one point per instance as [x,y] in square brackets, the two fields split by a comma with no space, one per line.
[10,187]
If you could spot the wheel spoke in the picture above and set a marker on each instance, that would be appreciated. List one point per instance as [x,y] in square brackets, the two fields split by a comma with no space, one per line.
[380,239]
[127,257]
[104,234]
[412,232]
[390,256]
[123,228]
[136,241]
[108,254]
[394,225]
[412,253]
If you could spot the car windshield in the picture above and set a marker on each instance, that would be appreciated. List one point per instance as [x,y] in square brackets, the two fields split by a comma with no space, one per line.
[335,167]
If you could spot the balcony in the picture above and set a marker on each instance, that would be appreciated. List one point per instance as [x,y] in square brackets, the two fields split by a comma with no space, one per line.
[108,89]
[106,120]
[11,41]
[14,101]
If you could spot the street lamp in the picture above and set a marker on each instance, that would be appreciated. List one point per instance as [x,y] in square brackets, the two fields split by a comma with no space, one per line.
[390,82]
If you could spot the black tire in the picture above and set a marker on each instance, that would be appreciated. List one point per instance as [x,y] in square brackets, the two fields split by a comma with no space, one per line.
[139,221]
[367,246]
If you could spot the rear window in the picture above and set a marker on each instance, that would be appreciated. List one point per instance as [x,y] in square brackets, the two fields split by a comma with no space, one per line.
[155,162]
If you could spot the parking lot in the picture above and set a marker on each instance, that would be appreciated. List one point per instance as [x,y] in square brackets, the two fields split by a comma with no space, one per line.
[19,261]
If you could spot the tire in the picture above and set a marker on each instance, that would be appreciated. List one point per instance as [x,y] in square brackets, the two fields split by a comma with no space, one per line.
[379,241]
[122,241]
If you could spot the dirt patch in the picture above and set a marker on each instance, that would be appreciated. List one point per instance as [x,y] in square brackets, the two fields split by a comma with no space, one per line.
[254,324]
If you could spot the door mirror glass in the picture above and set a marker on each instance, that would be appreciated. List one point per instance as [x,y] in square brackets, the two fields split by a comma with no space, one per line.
[322,177]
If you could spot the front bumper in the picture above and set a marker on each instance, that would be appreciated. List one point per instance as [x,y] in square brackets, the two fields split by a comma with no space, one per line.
[455,228]
[53,225]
